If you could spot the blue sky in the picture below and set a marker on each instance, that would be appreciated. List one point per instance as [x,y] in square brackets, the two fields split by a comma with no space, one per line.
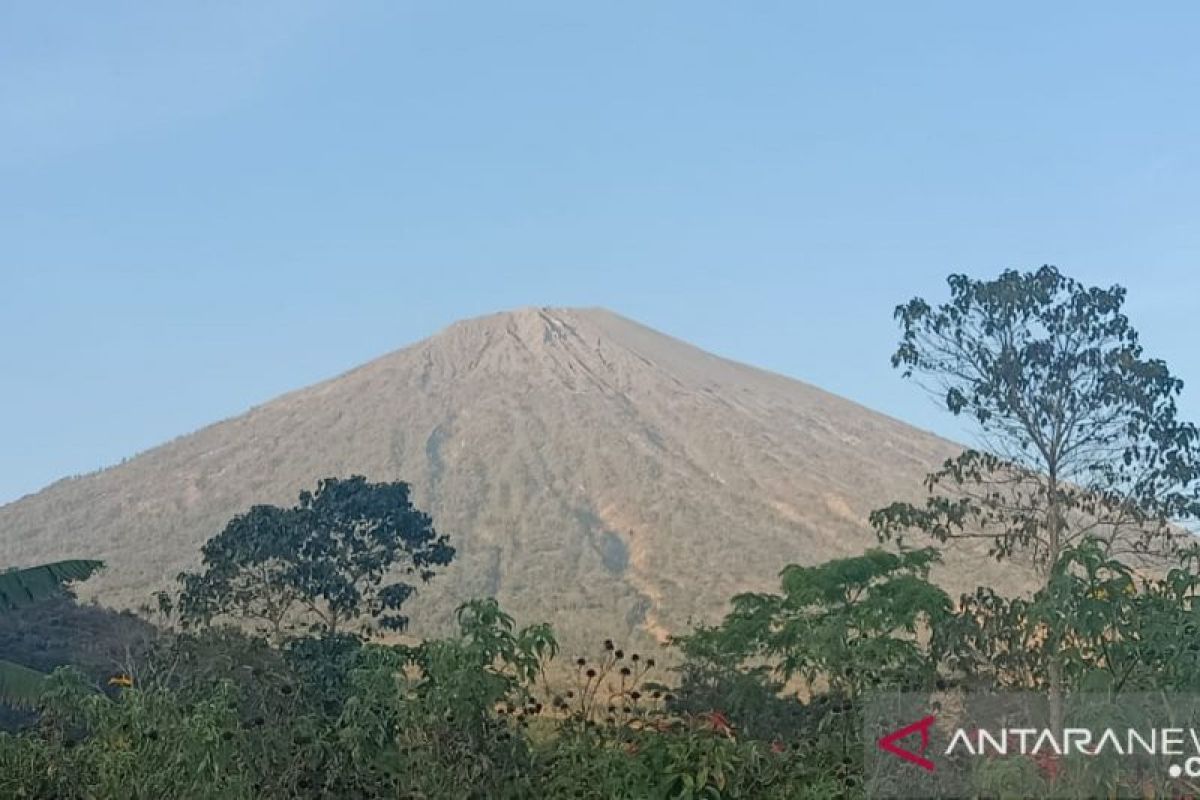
[205,205]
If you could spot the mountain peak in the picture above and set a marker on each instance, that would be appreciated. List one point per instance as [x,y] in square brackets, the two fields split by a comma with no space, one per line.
[588,469]
[530,324]
[536,325]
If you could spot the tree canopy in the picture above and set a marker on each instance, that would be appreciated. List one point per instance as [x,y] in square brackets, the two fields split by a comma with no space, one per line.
[343,555]
[1079,435]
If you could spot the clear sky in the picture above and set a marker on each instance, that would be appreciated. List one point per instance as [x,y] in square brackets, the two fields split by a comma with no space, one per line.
[203,205]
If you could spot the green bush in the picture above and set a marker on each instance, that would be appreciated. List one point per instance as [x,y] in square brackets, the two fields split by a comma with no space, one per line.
[212,712]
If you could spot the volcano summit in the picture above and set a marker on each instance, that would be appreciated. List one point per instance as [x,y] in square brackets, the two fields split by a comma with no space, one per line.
[590,471]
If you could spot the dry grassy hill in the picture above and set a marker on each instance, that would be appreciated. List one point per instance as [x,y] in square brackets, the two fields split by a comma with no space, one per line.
[590,471]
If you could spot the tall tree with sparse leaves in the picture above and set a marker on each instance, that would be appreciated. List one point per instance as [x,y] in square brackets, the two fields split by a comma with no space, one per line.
[342,557]
[1079,431]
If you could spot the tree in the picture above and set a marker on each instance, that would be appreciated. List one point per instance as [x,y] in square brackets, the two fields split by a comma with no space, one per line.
[1079,430]
[850,624]
[20,588]
[846,627]
[1109,629]
[1080,433]
[249,575]
[338,557]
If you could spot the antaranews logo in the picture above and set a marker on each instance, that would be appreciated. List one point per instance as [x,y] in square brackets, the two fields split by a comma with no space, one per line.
[891,743]
[971,744]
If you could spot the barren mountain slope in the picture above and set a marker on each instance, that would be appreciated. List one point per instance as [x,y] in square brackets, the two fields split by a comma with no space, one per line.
[589,470]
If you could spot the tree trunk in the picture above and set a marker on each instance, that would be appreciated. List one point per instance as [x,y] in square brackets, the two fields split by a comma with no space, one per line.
[1053,551]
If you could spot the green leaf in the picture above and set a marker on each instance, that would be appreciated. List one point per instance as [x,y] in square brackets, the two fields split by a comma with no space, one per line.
[24,587]
[20,686]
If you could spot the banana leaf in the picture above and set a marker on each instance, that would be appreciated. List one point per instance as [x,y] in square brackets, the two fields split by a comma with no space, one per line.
[20,687]
[23,587]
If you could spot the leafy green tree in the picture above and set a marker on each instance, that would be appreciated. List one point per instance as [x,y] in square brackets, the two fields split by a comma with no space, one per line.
[427,716]
[1107,628]
[143,745]
[250,574]
[845,627]
[338,558]
[1079,429]
[19,589]
[850,624]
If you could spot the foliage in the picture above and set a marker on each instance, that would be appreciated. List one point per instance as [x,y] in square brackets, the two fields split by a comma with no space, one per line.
[20,589]
[849,624]
[844,628]
[751,697]
[216,712]
[613,688]
[58,631]
[1108,629]
[1080,433]
[1080,430]
[24,587]
[426,718]
[20,685]
[327,563]
[684,762]
[621,734]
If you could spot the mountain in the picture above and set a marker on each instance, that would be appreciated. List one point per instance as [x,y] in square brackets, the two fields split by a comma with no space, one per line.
[590,471]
